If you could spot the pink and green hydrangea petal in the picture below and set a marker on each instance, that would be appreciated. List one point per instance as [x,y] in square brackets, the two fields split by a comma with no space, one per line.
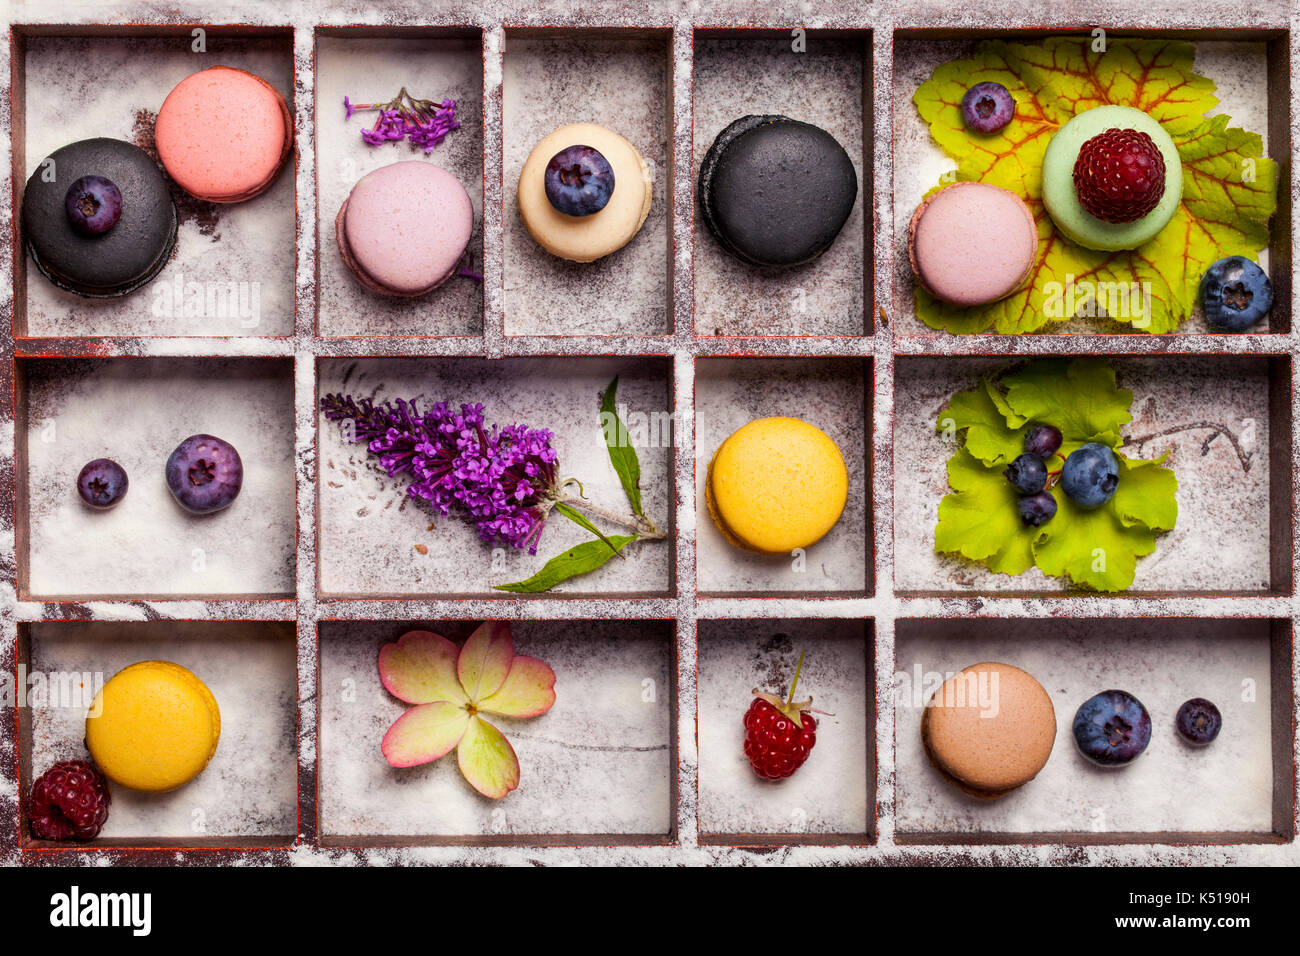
[529,690]
[487,760]
[425,733]
[421,668]
[484,661]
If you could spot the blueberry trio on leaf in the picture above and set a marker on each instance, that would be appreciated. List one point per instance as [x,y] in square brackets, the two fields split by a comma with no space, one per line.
[1028,474]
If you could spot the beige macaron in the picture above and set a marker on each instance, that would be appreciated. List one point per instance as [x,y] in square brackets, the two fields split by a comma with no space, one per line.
[989,729]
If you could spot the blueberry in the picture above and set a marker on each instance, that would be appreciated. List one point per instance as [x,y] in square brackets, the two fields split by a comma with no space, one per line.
[1042,441]
[1090,475]
[1037,510]
[102,483]
[1198,721]
[1235,294]
[93,204]
[987,107]
[579,181]
[204,474]
[1028,474]
[1112,728]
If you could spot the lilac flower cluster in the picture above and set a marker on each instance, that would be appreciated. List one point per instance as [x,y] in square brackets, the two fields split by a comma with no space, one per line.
[501,476]
[424,122]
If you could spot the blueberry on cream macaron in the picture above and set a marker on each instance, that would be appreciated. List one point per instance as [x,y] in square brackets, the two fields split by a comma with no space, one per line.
[972,243]
[776,192]
[224,134]
[97,218]
[404,227]
[1112,178]
[584,192]
[989,729]
[776,484]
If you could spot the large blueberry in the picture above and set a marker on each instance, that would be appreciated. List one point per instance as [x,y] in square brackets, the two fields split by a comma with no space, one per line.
[102,483]
[204,474]
[93,204]
[1235,294]
[1112,728]
[579,181]
[1090,475]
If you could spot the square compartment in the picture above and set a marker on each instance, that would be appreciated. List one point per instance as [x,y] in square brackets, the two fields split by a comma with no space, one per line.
[830,392]
[75,83]
[1241,787]
[599,768]
[373,540]
[135,411]
[1251,69]
[248,794]
[368,65]
[1226,421]
[831,799]
[620,78]
[742,72]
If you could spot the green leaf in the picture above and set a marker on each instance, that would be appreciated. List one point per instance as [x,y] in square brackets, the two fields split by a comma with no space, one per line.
[980,521]
[587,556]
[1229,187]
[1095,548]
[1079,397]
[993,435]
[581,520]
[621,453]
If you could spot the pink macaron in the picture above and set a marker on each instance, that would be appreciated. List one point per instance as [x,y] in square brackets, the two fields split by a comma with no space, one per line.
[403,228]
[224,134]
[972,243]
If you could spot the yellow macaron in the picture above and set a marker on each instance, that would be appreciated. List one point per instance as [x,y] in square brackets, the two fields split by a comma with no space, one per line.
[775,485]
[157,726]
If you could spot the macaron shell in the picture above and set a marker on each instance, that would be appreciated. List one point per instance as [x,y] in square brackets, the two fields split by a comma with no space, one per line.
[1062,201]
[157,728]
[586,238]
[777,484]
[990,728]
[775,191]
[223,134]
[972,243]
[404,227]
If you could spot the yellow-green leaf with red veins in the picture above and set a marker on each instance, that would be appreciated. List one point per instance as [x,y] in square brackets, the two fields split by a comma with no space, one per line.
[487,760]
[424,733]
[1229,187]
[485,659]
[529,690]
[421,668]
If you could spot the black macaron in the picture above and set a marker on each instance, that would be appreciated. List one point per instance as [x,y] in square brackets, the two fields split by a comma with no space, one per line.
[110,263]
[775,191]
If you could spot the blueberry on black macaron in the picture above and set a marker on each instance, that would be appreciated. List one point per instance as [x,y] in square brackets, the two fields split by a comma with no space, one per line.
[98,218]
[775,191]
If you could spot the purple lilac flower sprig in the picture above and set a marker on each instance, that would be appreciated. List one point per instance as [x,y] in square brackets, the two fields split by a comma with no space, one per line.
[504,478]
[423,122]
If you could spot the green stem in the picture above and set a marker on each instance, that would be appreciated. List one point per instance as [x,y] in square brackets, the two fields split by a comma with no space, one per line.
[795,683]
[643,527]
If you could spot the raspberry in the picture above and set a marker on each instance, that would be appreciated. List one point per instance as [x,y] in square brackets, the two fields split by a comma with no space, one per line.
[774,743]
[69,802]
[1119,175]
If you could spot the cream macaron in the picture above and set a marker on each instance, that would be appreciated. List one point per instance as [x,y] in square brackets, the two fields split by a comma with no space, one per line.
[599,196]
